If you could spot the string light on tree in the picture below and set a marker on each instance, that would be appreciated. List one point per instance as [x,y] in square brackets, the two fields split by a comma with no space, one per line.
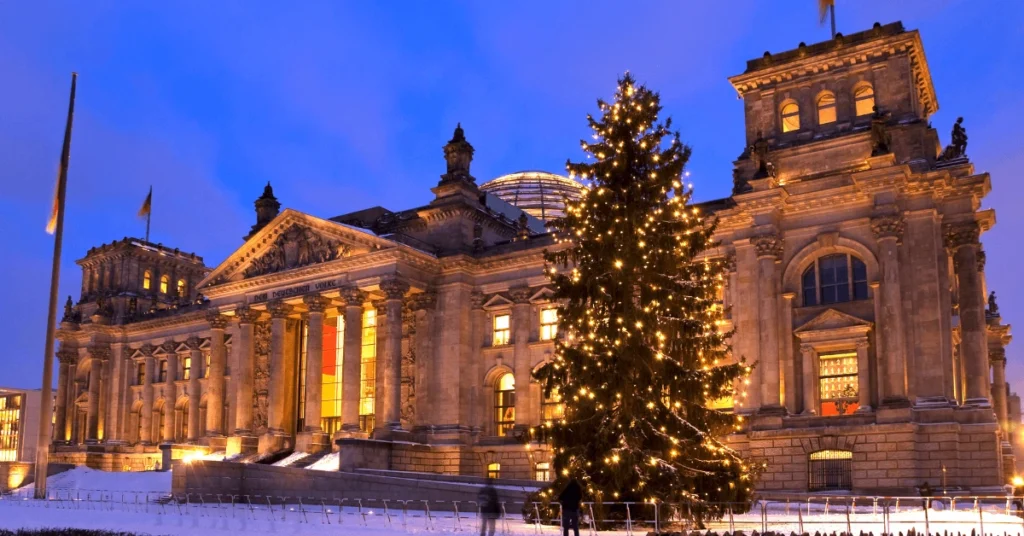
[639,292]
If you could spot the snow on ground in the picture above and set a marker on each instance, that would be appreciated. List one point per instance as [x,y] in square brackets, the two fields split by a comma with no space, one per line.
[292,458]
[86,479]
[327,463]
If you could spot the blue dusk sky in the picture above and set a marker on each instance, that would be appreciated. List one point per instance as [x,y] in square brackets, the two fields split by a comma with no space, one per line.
[345,105]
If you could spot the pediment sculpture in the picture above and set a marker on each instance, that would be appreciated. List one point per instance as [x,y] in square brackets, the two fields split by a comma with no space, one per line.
[294,248]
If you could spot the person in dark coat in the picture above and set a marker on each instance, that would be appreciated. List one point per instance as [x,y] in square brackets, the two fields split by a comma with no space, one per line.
[570,500]
[490,507]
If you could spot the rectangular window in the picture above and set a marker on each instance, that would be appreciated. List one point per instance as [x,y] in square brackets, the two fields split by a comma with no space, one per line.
[140,374]
[548,324]
[330,376]
[502,330]
[542,472]
[10,422]
[493,470]
[837,378]
[163,371]
[300,378]
[206,367]
[368,371]
[551,409]
[186,368]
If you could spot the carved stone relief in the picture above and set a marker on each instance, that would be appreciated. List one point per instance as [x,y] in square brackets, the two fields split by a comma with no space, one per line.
[294,248]
[261,376]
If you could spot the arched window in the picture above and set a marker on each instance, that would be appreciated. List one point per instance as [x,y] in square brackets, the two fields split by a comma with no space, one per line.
[504,404]
[147,280]
[826,108]
[834,279]
[830,470]
[790,117]
[181,287]
[864,100]
[165,281]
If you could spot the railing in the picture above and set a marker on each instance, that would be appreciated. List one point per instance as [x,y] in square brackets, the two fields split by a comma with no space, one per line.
[840,514]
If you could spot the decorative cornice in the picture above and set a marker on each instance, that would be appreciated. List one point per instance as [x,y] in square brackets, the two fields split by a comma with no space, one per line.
[217,320]
[279,309]
[423,301]
[888,226]
[316,303]
[962,234]
[767,245]
[353,296]
[246,315]
[520,295]
[194,343]
[394,288]
[476,300]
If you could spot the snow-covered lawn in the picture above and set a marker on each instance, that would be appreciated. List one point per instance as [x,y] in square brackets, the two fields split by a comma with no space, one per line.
[86,479]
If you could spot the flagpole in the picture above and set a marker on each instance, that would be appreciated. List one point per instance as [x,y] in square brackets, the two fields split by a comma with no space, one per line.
[149,216]
[832,13]
[46,413]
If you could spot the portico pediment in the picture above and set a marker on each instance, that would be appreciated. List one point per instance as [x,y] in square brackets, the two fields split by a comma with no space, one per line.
[294,240]
[833,320]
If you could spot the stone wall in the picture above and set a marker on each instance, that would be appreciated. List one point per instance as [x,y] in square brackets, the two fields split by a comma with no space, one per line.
[516,461]
[119,458]
[887,458]
[209,479]
[16,474]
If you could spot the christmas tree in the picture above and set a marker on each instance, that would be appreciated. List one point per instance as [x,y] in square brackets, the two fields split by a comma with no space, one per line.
[646,359]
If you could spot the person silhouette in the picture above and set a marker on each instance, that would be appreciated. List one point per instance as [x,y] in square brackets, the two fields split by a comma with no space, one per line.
[570,500]
[490,507]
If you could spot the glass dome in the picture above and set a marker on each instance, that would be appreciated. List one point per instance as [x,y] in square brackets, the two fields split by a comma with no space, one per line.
[538,193]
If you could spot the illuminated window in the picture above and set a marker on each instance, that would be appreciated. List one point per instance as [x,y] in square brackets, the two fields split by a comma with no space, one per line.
[10,427]
[790,117]
[864,100]
[502,331]
[186,368]
[368,371]
[542,472]
[551,409]
[164,281]
[163,371]
[140,373]
[834,279]
[493,470]
[330,376]
[548,324]
[826,108]
[830,470]
[206,366]
[837,378]
[181,287]
[504,404]
[147,280]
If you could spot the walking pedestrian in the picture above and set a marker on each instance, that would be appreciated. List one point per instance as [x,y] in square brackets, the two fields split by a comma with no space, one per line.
[570,500]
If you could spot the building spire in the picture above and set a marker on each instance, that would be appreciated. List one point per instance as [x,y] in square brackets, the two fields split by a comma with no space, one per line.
[267,208]
[458,153]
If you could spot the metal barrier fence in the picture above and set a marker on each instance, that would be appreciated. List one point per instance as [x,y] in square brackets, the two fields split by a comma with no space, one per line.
[841,514]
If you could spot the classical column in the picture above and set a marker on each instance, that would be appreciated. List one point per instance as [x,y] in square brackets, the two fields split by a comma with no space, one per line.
[279,312]
[195,354]
[146,415]
[243,374]
[769,250]
[351,359]
[70,407]
[66,357]
[215,379]
[170,390]
[92,423]
[394,293]
[863,378]
[478,322]
[787,359]
[962,239]
[998,359]
[521,319]
[888,231]
[312,437]
[422,306]
[808,359]
[106,399]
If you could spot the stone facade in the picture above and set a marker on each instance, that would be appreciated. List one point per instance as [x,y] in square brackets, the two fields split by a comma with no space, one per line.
[408,339]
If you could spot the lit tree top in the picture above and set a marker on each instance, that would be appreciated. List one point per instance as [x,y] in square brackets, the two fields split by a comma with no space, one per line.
[646,360]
